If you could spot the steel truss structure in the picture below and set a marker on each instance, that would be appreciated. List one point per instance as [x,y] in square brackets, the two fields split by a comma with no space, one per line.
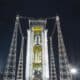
[43,64]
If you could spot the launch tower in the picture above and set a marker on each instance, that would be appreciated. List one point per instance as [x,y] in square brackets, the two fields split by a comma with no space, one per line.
[39,60]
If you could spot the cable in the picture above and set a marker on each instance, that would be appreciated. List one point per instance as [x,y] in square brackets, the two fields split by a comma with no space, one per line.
[53,31]
[20,29]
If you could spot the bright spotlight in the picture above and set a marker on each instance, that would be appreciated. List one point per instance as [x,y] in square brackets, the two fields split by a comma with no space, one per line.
[73,71]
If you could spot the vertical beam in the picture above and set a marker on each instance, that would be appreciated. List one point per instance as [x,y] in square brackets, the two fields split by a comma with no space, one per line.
[27,73]
[20,64]
[63,60]
[53,75]
[45,56]
[10,69]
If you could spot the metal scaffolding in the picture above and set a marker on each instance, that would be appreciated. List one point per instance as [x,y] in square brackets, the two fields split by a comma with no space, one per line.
[13,72]
[20,64]
[53,75]
[63,60]
[10,70]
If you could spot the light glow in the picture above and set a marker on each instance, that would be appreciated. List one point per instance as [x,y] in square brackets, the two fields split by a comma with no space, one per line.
[73,71]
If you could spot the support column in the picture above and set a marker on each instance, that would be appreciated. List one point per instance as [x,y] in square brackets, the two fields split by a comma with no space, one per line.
[27,72]
[53,75]
[63,60]
[20,64]
[45,56]
[10,69]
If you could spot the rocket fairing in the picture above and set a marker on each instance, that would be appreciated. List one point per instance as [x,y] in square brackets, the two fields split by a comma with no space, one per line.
[37,67]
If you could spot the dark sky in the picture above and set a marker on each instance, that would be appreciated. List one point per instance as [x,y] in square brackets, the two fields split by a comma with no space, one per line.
[68,10]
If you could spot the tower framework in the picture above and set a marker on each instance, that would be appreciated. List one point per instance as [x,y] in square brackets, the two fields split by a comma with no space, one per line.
[40,59]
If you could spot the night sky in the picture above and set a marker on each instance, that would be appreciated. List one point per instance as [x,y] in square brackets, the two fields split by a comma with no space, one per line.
[68,10]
